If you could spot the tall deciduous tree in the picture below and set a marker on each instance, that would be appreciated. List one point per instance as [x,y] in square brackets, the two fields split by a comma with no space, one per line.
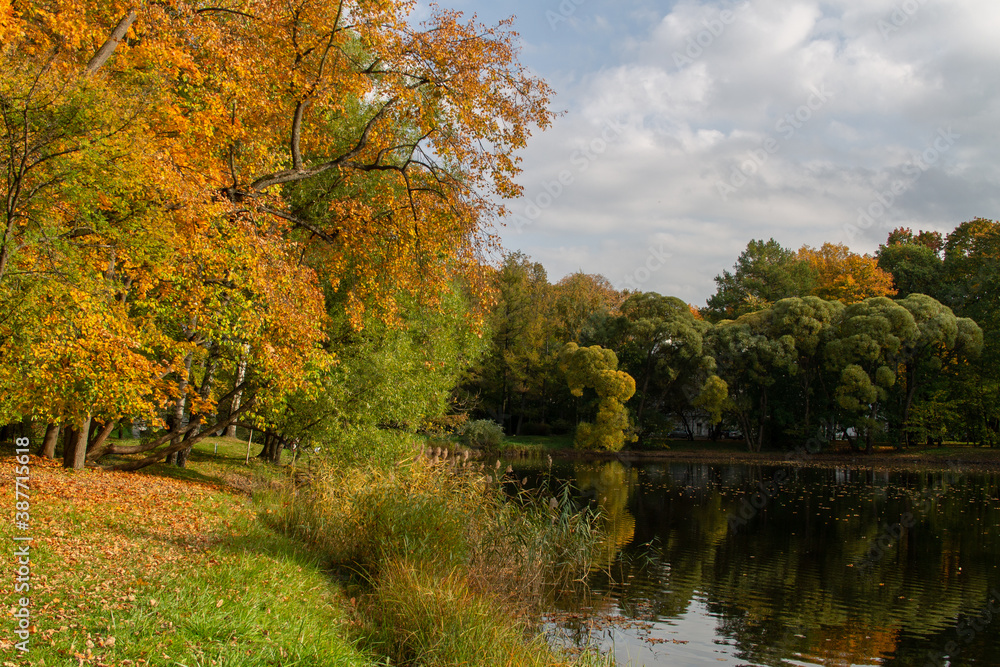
[867,352]
[515,378]
[914,260]
[943,341]
[171,157]
[579,302]
[751,362]
[659,342]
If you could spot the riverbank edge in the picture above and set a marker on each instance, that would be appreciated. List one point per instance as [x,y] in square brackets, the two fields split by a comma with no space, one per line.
[985,460]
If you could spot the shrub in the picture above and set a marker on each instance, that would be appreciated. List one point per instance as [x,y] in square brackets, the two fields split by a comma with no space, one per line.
[483,434]
[445,424]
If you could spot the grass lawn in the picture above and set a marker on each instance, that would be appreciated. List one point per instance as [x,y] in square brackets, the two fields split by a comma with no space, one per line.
[171,567]
[541,444]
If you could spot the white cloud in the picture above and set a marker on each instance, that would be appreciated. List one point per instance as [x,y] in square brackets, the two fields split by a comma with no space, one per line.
[886,95]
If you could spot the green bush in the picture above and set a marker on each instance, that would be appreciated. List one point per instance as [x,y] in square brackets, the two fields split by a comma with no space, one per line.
[483,434]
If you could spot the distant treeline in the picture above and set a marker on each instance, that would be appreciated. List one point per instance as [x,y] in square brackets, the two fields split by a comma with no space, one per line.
[899,348]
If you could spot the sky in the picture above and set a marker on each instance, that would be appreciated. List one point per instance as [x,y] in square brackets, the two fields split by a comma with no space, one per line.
[689,128]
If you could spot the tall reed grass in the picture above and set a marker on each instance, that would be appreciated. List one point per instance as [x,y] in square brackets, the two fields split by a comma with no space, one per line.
[457,570]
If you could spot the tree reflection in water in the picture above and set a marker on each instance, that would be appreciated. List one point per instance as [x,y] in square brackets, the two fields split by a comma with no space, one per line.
[679,585]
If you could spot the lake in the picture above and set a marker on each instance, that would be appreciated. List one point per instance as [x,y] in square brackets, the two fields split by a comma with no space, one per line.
[711,564]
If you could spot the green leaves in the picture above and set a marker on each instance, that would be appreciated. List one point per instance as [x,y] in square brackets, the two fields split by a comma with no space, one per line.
[596,367]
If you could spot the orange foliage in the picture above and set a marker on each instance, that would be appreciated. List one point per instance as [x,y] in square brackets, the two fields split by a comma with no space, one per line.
[846,645]
[845,276]
[186,197]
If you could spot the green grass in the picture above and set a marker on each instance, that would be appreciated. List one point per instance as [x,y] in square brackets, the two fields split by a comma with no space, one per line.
[174,566]
[134,567]
[955,450]
[265,601]
[539,444]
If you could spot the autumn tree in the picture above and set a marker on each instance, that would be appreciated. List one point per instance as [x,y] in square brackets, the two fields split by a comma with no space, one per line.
[597,368]
[514,380]
[971,288]
[843,275]
[579,302]
[389,380]
[273,146]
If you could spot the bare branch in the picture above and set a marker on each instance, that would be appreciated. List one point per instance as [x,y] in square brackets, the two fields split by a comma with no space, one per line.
[292,175]
[205,10]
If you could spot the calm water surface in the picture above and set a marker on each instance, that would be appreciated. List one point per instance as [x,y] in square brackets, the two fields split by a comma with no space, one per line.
[758,565]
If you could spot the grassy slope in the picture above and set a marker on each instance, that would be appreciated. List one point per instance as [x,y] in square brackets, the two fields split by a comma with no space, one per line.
[170,567]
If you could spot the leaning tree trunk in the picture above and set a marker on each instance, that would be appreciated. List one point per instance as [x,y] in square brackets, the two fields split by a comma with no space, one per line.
[75,452]
[48,448]
[101,442]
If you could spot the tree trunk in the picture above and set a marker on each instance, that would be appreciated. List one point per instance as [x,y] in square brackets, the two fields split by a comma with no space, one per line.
[75,452]
[762,422]
[911,392]
[182,455]
[273,444]
[870,433]
[208,379]
[48,448]
[109,46]
[177,419]
[101,443]
[158,456]
[241,371]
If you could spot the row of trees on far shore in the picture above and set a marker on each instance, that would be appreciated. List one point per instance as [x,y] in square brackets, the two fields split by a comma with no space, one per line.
[897,348]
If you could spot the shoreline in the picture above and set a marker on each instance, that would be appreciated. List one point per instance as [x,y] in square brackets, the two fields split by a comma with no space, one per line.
[974,460]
